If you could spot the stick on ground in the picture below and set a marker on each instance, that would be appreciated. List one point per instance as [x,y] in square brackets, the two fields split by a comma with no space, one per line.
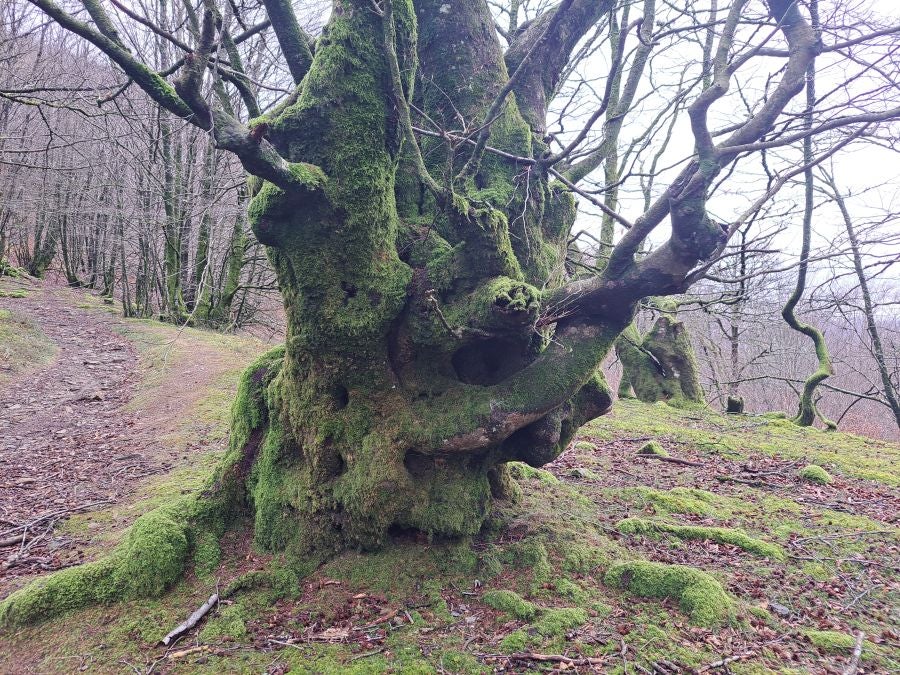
[853,666]
[192,620]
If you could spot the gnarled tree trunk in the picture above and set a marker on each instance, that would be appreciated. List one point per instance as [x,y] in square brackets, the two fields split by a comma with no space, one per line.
[661,365]
[432,334]
[414,365]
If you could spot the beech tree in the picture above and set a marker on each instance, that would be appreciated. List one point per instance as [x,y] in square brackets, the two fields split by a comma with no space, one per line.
[417,212]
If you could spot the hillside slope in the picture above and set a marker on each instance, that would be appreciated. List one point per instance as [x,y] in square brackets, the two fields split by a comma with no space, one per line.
[717,546]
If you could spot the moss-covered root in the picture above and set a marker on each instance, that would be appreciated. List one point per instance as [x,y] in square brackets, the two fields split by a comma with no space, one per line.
[722,535]
[699,595]
[152,557]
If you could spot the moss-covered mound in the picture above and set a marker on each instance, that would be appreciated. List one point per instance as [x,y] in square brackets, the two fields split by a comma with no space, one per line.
[698,594]
[814,473]
[722,535]
[510,602]
[653,448]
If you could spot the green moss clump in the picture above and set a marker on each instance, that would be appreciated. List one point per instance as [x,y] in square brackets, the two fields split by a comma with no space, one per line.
[13,294]
[698,594]
[231,622]
[583,558]
[522,471]
[653,448]
[722,535]
[830,640]
[815,474]
[556,622]
[151,558]
[569,589]
[510,602]
[676,500]
[817,571]
[516,641]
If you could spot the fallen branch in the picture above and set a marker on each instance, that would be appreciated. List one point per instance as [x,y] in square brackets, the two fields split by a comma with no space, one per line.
[52,515]
[724,662]
[187,652]
[192,620]
[559,658]
[365,655]
[853,666]
[671,460]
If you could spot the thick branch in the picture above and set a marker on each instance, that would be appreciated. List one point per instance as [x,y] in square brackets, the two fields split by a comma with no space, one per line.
[293,41]
[537,83]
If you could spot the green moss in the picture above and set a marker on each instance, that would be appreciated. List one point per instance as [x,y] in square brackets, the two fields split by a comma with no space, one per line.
[763,614]
[831,641]
[676,500]
[459,662]
[584,558]
[557,622]
[510,602]
[653,448]
[150,559]
[533,555]
[721,535]
[230,622]
[207,553]
[815,474]
[570,590]
[516,641]
[817,571]
[698,594]
[522,471]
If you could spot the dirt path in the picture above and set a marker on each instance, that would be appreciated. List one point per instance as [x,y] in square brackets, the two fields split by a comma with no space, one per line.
[81,432]
[65,443]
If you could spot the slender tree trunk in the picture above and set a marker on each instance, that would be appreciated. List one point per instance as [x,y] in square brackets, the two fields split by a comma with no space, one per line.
[174,304]
[807,410]
[888,387]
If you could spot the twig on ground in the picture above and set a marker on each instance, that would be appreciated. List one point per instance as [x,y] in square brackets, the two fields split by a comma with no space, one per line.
[722,663]
[671,460]
[192,620]
[366,655]
[853,666]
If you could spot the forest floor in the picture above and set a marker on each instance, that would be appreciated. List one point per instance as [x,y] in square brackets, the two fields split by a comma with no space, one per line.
[102,419]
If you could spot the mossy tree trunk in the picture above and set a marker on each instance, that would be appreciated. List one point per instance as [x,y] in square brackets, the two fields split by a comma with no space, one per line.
[661,365]
[432,333]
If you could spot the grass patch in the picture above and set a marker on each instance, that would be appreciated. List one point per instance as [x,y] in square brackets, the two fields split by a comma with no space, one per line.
[23,346]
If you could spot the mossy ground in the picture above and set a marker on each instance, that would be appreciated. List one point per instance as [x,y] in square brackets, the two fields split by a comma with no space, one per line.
[23,346]
[550,573]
